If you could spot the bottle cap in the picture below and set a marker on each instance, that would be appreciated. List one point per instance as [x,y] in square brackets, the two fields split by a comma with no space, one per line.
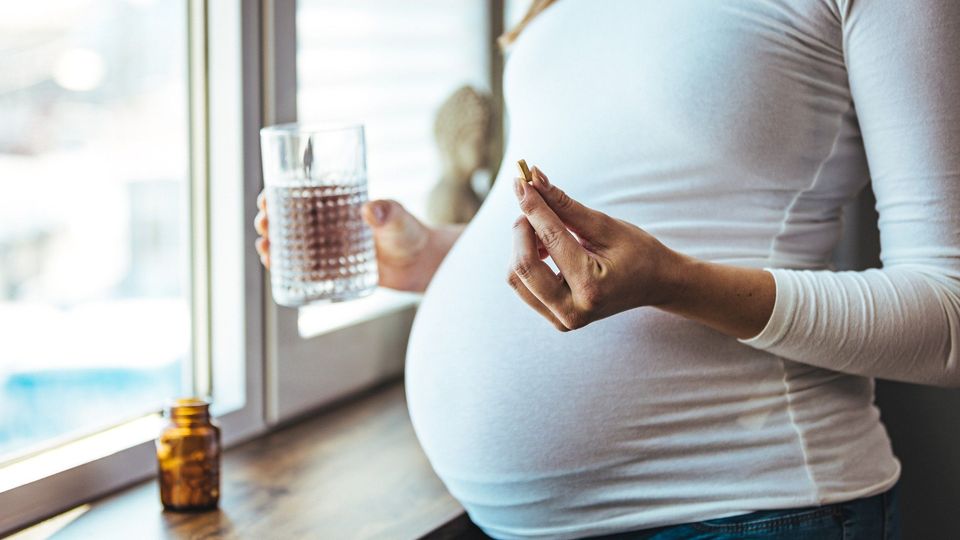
[192,407]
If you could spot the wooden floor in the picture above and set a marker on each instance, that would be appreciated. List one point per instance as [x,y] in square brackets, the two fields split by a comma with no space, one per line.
[354,472]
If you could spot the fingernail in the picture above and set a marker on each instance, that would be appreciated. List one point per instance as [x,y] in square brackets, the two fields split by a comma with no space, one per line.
[518,187]
[379,213]
[542,177]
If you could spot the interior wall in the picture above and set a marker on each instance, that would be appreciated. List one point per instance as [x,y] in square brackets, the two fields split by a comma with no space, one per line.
[923,422]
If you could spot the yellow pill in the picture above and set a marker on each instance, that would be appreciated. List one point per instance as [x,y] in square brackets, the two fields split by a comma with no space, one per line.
[525,171]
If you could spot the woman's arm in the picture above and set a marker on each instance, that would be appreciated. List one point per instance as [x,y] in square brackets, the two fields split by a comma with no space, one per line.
[901,322]
[736,301]
[442,238]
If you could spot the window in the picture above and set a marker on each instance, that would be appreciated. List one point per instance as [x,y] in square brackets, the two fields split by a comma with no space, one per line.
[126,189]
[390,65]
[94,246]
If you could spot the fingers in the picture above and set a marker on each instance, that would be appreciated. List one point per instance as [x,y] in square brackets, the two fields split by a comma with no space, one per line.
[263,249]
[260,223]
[376,213]
[533,280]
[565,250]
[586,222]
[396,232]
[528,298]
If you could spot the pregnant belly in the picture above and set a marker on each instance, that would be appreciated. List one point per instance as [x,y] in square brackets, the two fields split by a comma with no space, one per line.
[495,392]
[643,414]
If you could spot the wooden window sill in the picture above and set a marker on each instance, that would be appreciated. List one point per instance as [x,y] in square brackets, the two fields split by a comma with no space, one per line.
[355,471]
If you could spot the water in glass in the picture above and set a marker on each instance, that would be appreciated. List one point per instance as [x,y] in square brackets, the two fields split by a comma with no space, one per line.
[320,248]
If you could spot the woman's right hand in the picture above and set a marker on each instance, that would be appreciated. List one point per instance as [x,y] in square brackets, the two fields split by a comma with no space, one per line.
[408,252]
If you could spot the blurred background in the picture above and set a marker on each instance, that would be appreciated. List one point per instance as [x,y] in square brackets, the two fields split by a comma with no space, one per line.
[94,313]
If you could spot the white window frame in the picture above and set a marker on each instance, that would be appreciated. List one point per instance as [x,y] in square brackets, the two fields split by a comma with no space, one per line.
[228,312]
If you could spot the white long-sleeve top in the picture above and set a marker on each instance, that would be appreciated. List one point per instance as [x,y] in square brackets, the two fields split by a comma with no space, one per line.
[734,131]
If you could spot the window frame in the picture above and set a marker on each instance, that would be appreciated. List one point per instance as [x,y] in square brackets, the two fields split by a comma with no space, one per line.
[97,464]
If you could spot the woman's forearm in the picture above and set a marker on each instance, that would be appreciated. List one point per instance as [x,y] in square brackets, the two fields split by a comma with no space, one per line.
[736,301]
[444,236]
[440,239]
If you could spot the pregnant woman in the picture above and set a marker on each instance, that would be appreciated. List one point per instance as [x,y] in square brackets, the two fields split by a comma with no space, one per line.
[711,376]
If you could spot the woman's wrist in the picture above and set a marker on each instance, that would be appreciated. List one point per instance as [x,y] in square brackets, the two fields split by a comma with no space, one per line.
[444,236]
[439,241]
[676,276]
[736,301]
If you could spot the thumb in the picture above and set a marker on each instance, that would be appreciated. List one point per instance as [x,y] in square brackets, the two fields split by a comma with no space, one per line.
[378,213]
[393,227]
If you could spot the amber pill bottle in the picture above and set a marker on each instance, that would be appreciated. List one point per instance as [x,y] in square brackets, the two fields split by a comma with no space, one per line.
[188,456]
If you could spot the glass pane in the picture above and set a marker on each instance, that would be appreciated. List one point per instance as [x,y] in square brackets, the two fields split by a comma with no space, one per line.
[390,65]
[94,307]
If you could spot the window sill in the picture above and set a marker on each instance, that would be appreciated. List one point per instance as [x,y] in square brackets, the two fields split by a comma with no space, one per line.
[79,452]
[356,471]
[34,486]
[318,319]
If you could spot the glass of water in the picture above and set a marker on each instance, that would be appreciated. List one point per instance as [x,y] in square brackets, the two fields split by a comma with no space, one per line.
[316,182]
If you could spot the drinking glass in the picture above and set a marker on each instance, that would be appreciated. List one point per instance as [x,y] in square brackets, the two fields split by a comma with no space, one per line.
[316,181]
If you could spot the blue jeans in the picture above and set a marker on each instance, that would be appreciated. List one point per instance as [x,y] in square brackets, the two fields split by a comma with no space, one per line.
[873,518]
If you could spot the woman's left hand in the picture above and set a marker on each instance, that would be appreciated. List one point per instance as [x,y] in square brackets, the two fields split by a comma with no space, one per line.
[609,265]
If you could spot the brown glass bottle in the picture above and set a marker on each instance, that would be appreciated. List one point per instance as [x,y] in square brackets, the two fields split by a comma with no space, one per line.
[188,456]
